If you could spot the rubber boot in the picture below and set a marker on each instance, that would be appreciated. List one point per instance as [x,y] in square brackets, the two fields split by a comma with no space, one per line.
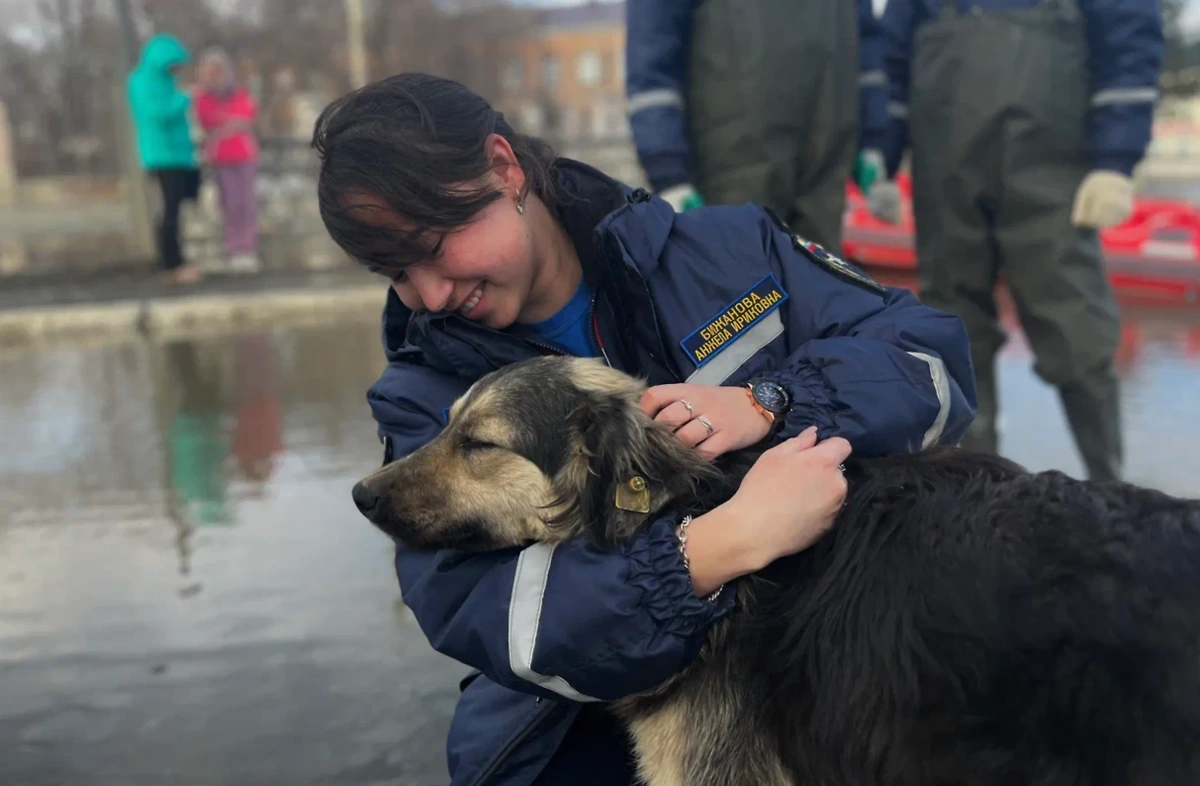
[1093,410]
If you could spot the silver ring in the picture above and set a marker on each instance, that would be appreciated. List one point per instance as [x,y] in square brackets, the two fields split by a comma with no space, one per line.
[704,422]
[687,404]
[842,468]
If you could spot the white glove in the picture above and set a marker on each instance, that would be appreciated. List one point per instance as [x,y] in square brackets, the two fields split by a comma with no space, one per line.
[682,197]
[884,201]
[1104,199]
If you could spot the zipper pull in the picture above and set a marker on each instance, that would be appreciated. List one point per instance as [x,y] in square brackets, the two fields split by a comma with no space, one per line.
[639,195]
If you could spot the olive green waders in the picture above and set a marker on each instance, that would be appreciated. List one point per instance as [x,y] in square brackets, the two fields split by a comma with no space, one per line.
[773,108]
[998,118]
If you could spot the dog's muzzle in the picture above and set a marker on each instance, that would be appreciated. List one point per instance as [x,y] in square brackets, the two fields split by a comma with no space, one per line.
[366,498]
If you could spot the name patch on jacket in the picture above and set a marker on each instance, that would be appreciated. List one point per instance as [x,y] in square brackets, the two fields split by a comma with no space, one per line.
[732,321]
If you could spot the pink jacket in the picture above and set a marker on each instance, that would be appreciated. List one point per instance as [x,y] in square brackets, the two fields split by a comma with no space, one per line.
[228,126]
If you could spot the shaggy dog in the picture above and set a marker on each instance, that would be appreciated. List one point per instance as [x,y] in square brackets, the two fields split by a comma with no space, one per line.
[964,623]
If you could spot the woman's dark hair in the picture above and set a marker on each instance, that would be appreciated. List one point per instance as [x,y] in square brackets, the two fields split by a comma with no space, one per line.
[411,142]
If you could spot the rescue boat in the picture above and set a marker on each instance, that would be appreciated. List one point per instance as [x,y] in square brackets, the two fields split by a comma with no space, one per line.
[1154,254]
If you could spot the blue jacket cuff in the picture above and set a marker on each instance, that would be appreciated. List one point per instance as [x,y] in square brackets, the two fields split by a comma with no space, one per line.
[873,138]
[666,170]
[811,405]
[657,569]
[1117,162]
[894,144]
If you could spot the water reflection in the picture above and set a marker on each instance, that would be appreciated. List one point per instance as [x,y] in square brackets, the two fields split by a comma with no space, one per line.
[1159,365]
[258,412]
[127,429]
[196,445]
[185,586]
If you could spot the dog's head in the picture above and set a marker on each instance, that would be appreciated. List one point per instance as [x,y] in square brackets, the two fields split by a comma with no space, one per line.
[539,451]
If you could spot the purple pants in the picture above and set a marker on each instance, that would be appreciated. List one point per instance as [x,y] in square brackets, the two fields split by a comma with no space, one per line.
[239,206]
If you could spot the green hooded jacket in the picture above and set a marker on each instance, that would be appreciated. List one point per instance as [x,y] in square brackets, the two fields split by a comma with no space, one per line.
[160,108]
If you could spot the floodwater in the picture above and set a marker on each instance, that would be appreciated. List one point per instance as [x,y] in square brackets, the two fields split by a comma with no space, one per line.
[188,596]
[1159,364]
[187,593]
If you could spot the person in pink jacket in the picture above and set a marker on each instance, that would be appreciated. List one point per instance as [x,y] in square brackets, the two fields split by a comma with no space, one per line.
[226,111]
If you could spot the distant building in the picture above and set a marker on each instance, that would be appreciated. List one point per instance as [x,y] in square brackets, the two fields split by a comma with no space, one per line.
[565,79]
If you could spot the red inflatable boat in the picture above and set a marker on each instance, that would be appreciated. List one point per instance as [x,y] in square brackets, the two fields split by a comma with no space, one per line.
[1155,254]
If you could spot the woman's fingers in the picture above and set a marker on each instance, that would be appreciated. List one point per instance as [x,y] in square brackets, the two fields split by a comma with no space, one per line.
[657,398]
[675,414]
[802,441]
[835,450]
[692,433]
[716,445]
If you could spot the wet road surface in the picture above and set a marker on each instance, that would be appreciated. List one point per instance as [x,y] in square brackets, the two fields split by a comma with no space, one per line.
[1159,364]
[187,595]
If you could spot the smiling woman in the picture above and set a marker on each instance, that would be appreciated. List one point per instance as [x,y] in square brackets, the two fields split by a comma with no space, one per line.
[496,252]
[501,266]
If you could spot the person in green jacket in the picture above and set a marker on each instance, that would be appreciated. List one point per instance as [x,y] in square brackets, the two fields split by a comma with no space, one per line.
[160,117]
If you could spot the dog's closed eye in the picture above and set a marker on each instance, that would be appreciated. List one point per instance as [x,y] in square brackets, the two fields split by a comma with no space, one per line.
[470,444]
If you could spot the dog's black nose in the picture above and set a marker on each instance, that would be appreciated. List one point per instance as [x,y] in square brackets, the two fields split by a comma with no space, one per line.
[365,498]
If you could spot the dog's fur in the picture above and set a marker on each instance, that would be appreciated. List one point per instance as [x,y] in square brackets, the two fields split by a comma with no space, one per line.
[964,622]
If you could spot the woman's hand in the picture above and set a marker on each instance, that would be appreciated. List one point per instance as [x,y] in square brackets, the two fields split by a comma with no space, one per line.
[786,502]
[732,421]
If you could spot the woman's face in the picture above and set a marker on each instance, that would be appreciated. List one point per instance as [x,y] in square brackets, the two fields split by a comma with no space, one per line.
[213,74]
[484,271]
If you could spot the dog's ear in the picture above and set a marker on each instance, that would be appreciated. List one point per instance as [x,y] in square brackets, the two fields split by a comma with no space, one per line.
[635,468]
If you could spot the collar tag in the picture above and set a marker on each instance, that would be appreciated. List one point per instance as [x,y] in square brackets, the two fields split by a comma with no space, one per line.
[634,495]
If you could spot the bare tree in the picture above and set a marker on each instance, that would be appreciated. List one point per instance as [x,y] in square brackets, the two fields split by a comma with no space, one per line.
[57,84]
[60,76]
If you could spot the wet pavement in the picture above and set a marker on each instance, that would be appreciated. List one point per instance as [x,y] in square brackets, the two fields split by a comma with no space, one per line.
[1159,365]
[187,595]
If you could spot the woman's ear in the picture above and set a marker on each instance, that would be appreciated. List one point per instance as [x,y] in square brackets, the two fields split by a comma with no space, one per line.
[505,165]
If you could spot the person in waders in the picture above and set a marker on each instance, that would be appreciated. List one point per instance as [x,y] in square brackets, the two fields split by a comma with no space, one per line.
[765,101]
[1026,119]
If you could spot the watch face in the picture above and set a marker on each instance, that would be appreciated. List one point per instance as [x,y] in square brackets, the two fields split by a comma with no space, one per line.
[771,397]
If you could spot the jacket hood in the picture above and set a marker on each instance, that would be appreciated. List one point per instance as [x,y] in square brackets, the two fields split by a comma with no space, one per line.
[163,51]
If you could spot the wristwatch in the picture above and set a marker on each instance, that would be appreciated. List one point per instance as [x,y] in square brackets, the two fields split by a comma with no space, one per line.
[770,399]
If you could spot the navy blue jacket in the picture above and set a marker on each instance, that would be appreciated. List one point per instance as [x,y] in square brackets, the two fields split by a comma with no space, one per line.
[1125,43]
[658,36]
[552,627]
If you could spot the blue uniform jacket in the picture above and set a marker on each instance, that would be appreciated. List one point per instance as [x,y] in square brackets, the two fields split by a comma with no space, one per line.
[1125,42]
[658,36]
[717,295]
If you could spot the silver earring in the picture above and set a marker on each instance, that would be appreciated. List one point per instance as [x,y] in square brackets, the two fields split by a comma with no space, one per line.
[521,208]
